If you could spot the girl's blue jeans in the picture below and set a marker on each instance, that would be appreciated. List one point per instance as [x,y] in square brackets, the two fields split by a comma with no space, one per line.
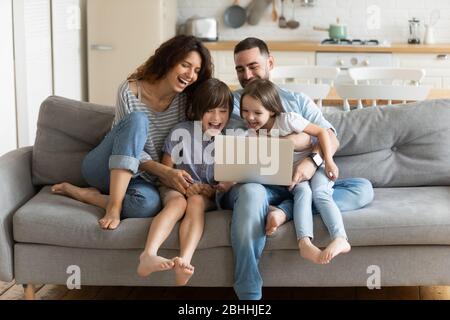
[250,203]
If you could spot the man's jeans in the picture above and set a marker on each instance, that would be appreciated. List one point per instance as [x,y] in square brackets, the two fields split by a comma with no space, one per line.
[250,203]
[120,149]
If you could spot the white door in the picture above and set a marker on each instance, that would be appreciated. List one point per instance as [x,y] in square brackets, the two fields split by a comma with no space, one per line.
[122,34]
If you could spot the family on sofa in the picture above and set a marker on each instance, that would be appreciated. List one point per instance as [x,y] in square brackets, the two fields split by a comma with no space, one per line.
[136,172]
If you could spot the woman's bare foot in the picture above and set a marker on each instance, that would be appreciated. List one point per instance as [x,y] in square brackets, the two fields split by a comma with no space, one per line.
[337,246]
[149,263]
[111,220]
[183,271]
[308,250]
[275,218]
[74,192]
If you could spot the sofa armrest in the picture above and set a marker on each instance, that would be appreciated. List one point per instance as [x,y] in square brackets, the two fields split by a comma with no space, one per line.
[16,188]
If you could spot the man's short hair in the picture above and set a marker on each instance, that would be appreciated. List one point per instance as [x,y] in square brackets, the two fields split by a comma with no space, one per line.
[250,43]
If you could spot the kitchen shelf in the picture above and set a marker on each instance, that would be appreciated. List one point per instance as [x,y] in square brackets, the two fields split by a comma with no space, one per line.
[317,47]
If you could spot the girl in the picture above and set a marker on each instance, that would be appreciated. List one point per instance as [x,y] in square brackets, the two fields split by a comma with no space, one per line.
[263,112]
[211,108]
[123,168]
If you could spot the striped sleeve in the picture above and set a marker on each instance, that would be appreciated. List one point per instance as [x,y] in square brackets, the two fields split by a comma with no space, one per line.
[122,107]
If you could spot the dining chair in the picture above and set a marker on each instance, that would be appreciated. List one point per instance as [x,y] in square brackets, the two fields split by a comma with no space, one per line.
[314,81]
[391,84]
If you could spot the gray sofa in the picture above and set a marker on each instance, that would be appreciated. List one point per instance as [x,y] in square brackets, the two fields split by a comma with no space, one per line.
[403,150]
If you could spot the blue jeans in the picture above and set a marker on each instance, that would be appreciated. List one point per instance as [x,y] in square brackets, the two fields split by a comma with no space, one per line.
[120,149]
[319,190]
[250,203]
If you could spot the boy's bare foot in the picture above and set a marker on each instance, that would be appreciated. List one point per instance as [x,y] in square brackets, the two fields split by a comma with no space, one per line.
[275,218]
[337,246]
[74,192]
[149,264]
[183,271]
[309,251]
[111,220]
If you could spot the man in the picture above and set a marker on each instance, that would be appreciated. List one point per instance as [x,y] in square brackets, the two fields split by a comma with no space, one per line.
[251,202]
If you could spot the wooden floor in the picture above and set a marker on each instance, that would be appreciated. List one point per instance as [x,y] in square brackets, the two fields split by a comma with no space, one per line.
[12,291]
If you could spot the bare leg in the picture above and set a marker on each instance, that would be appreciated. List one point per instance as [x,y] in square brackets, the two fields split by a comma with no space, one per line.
[162,225]
[337,246]
[308,250]
[275,218]
[120,179]
[118,185]
[86,195]
[191,230]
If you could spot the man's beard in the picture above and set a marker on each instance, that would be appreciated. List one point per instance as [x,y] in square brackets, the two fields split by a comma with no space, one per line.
[245,82]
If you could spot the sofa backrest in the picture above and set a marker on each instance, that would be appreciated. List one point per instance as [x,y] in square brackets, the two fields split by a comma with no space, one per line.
[392,146]
[66,131]
[396,146]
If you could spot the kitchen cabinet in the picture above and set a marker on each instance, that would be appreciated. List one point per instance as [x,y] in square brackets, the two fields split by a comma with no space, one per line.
[437,67]
[225,68]
[122,35]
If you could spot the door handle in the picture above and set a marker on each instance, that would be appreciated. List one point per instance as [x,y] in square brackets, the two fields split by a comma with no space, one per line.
[442,57]
[101,47]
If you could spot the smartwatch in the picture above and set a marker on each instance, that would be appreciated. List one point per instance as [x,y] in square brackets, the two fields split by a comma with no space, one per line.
[316,158]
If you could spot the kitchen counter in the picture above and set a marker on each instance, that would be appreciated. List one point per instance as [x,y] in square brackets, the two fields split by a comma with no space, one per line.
[317,47]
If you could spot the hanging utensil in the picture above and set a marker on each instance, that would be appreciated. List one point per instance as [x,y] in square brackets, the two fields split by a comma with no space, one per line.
[282,23]
[235,15]
[274,12]
[256,11]
[293,24]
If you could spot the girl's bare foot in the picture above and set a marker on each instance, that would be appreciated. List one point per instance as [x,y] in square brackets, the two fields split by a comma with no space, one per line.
[275,218]
[111,220]
[337,246]
[308,250]
[152,263]
[183,271]
[74,192]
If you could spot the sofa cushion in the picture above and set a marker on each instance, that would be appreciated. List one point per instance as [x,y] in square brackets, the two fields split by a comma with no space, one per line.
[58,220]
[397,216]
[66,131]
[396,146]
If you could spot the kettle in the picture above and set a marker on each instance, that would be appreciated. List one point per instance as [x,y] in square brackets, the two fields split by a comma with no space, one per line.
[414,31]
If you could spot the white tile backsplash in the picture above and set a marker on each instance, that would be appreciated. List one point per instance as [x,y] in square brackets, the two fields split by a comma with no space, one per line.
[393,26]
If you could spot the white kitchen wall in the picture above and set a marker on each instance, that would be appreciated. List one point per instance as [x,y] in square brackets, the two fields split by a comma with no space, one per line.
[359,15]
[8,134]
[33,63]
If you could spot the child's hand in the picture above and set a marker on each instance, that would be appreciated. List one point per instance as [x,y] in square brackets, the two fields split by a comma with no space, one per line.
[331,170]
[224,186]
[193,189]
[200,188]
[208,190]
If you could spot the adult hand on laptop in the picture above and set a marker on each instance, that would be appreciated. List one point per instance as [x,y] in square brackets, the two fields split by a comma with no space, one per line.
[303,171]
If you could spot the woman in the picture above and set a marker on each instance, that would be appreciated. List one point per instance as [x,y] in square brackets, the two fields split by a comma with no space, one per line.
[124,168]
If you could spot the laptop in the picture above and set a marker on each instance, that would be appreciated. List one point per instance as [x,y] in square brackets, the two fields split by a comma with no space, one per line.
[262,160]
